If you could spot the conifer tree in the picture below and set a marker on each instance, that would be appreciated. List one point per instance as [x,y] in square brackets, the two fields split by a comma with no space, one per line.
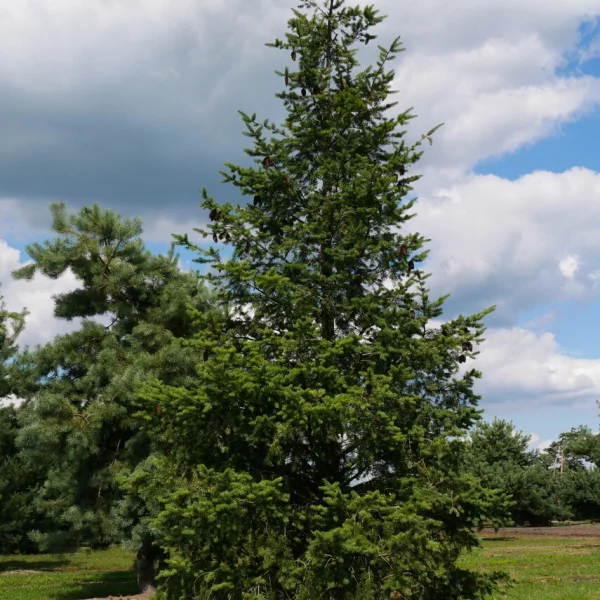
[18,483]
[318,453]
[78,389]
[11,327]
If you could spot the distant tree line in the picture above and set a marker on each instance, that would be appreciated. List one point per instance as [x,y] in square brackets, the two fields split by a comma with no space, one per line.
[560,483]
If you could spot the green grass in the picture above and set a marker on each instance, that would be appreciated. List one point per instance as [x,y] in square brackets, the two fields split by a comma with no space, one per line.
[83,574]
[543,568]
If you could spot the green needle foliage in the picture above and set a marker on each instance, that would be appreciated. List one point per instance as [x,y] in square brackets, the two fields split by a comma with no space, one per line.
[11,326]
[318,453]
[77,423]
[18,483]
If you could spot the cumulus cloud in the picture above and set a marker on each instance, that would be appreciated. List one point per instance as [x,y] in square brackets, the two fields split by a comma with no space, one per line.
[536,443]
[134,105]
[518,244]
[37,297]
[491,100]
[520,366]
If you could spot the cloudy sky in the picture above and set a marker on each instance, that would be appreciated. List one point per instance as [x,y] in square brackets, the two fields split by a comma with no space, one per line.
[133,104]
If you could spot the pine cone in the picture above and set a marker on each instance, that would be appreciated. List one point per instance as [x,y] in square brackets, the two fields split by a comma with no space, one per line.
[402,250]
[256,200]
[467,347]
[215,238]
[462,358]
[293,55]
[266,162]
[402,170]
[303,92]
[212,214]
[158,410]
[411,265]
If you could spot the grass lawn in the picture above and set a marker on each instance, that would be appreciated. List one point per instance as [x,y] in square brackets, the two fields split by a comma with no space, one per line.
[83,574]
[544,568]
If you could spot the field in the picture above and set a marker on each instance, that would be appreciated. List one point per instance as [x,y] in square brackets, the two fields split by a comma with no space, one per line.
[552,563]
[85,574]
[547,563]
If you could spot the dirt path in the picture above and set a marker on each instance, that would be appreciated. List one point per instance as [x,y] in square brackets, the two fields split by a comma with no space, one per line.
[562,531]
[137,597]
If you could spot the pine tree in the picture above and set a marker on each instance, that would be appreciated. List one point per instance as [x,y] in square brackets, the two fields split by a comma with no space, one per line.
[318,453]
[499,442]
[11,327]
[18,484]
[79,389]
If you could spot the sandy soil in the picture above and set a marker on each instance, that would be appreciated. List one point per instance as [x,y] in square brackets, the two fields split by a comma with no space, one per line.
[563,531]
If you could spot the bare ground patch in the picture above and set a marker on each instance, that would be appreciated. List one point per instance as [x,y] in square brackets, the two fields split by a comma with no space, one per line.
[587,530]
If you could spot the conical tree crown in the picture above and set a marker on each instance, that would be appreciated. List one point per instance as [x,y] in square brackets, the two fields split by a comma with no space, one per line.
[319,258]
[318,453]
[320,238]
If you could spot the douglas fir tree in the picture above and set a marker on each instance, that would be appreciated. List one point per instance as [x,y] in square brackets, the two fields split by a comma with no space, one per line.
[317,455]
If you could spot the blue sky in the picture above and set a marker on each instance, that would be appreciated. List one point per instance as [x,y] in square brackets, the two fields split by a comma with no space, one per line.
[575,145]
[510,194]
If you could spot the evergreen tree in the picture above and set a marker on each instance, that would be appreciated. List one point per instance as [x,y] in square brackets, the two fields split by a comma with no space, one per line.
[318,454]
[17,483]
[497,454]
[572,448]
[578,484]
[78,421]
[11,326]
[499,442]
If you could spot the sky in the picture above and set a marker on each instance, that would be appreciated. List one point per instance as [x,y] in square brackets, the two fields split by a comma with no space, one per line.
[133,104]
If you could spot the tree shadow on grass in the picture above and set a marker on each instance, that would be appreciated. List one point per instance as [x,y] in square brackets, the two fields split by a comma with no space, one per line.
[503,538]
[32,565]
[101,585]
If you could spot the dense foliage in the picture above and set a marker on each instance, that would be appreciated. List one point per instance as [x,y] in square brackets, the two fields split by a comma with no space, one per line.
[317,454]
[77,421]
[18,480]
[541,492]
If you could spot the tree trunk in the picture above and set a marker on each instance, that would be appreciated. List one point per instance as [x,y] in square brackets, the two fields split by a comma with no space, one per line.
[145,565]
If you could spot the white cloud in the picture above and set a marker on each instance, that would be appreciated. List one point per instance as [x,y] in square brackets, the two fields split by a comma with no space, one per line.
[181,69]
[493,100]
[520,366]
[568,266]
[519,244]
[536,444]
[35,295]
